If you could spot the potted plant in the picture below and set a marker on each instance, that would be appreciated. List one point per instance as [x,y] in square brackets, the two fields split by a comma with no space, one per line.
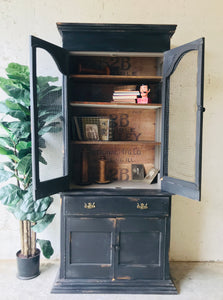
[16,169]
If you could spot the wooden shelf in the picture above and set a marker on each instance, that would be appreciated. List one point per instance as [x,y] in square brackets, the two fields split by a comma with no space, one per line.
[113,78]
[131,184]
[116,105]
[149,143]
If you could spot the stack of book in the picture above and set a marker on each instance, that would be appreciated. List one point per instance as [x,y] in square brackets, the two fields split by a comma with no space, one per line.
[125,96]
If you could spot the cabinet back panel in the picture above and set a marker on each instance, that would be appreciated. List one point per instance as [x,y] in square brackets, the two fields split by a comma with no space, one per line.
[115,65]
[110,65]
[129,124]
[119,160]
[103,92]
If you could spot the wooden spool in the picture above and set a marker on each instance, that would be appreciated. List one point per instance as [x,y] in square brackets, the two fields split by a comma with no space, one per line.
[84,169]
[102,171]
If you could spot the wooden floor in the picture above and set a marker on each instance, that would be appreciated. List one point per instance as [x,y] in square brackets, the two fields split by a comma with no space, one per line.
[194,281]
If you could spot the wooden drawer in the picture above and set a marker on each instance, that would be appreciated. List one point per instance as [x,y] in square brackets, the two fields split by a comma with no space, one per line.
[116,205]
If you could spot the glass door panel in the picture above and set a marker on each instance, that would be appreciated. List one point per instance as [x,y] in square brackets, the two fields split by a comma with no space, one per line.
[182,119]
[49,118]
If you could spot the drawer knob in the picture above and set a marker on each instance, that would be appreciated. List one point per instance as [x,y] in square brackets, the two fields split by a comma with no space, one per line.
[89,205]
[142,206]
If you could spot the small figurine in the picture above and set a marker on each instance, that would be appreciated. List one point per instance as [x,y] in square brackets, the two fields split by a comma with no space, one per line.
[144,91]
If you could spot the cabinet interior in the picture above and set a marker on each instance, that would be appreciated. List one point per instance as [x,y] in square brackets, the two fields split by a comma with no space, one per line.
[122,153]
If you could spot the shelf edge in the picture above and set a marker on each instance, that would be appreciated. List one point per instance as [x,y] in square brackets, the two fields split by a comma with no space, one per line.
[116,105]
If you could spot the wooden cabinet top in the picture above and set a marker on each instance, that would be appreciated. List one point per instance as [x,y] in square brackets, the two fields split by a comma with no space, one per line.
[116,37]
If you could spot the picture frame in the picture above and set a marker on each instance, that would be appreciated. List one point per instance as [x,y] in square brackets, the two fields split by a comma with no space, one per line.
[151,175]
[104,128]
[96,128]
[91,132]
[138,172]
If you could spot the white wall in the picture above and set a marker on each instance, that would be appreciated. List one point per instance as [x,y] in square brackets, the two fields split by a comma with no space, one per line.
[197,228]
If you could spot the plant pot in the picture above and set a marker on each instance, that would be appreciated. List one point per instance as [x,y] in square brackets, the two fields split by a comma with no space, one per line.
[28,267]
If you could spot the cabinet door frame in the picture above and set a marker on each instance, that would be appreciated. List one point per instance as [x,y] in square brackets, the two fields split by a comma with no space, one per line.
[60,57]
[171,59]
[88,226]
[157,228]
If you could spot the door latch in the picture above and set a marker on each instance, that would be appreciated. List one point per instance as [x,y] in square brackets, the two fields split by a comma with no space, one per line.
[201,108]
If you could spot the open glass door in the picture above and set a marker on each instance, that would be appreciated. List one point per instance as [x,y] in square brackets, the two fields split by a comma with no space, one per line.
[182,98]
[48,70]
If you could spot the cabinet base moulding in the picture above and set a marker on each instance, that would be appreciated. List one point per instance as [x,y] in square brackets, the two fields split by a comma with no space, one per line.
[70,286]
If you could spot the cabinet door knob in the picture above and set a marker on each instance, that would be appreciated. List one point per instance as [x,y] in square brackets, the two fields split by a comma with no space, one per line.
[90,205]
[142,205]
[116,247]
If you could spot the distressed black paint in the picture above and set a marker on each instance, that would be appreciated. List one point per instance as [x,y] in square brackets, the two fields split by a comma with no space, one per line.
[116,221]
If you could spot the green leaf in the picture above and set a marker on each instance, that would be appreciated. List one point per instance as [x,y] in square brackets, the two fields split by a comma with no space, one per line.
[17,110]
[5,84]
[25,109]
[53,109]
[15,90]
[51,128]
[18,72]
[10,195]
[13,105]
[42,143]
[19,126]
[9,153]
[5,175]
[21,215]
[14,158]
[34,217]
[48,118]
[24,152]
[24,164]
[43,223]
[35,211]
[9,165]
[5,125]
[46,247]
[24,210]
[22,145]
[18,214]
[6,142]
[28,177]
[19,130]
[16,114]
[44,80]
[42,204]
[27,204]
[48,95]
[10,103]
[5,151]
[42,160]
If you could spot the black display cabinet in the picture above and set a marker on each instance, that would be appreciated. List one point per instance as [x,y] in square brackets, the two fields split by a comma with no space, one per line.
[116,162]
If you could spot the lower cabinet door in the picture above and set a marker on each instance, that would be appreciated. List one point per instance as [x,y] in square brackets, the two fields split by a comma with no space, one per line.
[131,248]
[89,253]
[141,248]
